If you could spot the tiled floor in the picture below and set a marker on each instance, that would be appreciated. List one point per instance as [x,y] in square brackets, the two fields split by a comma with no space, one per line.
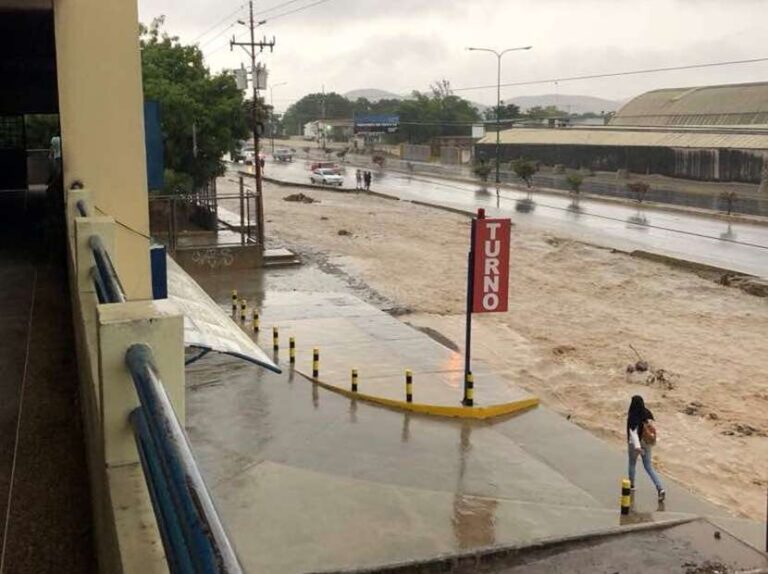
[45,515]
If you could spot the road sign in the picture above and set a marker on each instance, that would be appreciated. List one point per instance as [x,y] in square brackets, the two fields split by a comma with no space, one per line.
[377,123]
[487,281]
[490,290]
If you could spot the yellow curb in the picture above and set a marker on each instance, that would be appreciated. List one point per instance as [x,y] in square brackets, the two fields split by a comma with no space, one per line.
[478,413]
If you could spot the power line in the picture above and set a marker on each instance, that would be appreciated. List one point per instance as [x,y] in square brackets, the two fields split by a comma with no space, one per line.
[275,17]
[277,7]
[219,35]
[300,9]
[616,74]
[219,23]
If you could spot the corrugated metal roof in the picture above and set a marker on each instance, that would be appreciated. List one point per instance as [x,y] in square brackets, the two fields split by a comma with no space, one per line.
[610,136]
[732,104]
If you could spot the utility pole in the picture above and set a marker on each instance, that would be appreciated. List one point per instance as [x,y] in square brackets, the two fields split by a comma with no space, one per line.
[498,55]
[272,111]
[322,116]
[250,49]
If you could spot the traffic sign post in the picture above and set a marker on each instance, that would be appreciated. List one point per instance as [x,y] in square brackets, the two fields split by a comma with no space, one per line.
[487,281]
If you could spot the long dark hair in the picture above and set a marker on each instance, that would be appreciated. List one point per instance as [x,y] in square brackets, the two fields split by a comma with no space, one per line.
[637,413]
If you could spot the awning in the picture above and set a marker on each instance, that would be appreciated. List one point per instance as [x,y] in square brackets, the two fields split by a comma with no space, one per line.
[206,326]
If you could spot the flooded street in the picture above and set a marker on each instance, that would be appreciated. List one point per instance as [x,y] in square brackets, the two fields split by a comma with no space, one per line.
[740,247]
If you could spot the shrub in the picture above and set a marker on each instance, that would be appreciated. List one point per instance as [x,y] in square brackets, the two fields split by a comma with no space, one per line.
[524,169]
[482,170]
[574,182]
[639,189]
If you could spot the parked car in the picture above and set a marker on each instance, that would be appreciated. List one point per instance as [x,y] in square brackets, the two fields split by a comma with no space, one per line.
[329,165]
[283,155]
[326,177]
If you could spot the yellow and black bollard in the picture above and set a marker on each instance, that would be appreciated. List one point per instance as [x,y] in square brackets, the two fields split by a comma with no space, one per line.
[469,390]
[292,350]
[275,339]
[315,363]
[255,321]
[626,496]
[234,301]
[409,386]
[243,309]
[354,380]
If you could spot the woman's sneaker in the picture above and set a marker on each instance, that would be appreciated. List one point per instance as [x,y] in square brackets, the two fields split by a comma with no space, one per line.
[662,495]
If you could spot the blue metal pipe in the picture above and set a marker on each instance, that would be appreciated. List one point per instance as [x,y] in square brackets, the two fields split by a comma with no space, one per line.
[203,532]
[176,550]
[101,290]
[113,288]
[82,209]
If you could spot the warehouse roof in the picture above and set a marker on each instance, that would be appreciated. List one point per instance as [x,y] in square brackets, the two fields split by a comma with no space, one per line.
[634,137]
[732,104]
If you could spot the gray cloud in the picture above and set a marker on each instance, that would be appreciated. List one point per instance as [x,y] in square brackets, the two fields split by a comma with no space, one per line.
[402,45]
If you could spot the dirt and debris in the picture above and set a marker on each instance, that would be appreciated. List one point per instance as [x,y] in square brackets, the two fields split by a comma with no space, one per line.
[562,350]
[703,342]
[707,568]
[300,198]
[752,285]
[344,233]
[692,409]
[739,429]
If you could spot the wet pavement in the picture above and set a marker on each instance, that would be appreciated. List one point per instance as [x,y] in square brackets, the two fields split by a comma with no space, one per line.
[306,479]
[740,247]
[351,334]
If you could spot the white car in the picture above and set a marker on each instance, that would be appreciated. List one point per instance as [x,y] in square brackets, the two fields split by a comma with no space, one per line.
[326,177]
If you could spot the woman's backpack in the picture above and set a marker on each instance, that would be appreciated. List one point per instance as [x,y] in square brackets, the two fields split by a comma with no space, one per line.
[648,433]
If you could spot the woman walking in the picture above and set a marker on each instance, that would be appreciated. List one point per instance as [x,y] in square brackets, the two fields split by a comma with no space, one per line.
[641,436]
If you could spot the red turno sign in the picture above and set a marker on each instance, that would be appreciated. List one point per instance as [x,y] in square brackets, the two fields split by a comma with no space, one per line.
[490,289]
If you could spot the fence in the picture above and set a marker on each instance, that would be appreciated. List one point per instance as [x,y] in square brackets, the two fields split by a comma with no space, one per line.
[207,219]
[146,484]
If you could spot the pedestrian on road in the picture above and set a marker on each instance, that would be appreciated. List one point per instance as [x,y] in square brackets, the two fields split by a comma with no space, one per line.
[359,178]
[367,178]
[641,436]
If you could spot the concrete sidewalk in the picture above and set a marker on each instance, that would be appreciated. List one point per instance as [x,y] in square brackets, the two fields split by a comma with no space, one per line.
[351,334]
[308,479]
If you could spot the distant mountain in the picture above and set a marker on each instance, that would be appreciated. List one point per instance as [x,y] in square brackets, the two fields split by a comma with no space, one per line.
[372,95]
[567,102]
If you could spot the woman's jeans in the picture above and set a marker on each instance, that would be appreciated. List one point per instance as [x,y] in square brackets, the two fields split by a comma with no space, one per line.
[647,463]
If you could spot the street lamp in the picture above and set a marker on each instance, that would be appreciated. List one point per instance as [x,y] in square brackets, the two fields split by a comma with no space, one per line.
[498,99]
[272,110]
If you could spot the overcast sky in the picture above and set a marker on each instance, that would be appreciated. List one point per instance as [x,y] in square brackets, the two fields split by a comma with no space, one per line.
[402,45]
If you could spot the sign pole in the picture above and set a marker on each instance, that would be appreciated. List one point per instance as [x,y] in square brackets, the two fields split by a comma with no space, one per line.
[469,401]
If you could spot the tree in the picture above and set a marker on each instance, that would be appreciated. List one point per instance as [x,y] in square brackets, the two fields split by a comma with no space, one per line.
[482,170]
[263,114]
[317,106]
[574,182]
[507,111]
[728,199]
[525,170]
[191,100]
[639,189]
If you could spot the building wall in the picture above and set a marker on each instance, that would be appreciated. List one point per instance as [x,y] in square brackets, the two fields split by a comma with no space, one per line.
[102,122]
[723,164]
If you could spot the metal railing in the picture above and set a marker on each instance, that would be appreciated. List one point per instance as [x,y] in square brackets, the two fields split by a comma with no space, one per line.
[108,286]
[192,533]
[193,537]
